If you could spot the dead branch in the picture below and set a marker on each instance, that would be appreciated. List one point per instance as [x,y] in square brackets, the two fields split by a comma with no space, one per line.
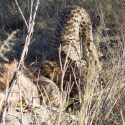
[34,7]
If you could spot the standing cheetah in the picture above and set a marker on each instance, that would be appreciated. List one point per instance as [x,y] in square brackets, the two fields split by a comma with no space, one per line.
[74,34]
[75,30]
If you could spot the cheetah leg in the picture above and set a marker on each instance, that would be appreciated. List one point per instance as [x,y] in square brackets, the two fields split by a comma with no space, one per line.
[87,51]
[92,55]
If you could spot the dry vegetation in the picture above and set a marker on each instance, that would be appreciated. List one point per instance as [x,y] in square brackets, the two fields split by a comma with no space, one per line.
[105,103]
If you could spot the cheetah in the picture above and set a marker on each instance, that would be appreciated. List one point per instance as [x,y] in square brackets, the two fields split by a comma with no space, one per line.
[74,29]
[53,69]
[73,35]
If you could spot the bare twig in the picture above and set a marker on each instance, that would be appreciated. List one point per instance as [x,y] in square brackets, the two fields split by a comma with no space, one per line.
[21,14]
[123,121]
[20,97]
[7,87]
[65,66]
[78,85]
[34,8]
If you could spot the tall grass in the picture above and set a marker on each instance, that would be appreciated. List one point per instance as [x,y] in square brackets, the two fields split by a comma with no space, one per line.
[103,100]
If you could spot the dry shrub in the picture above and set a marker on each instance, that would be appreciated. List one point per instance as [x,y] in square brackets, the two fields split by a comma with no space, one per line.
[106,102]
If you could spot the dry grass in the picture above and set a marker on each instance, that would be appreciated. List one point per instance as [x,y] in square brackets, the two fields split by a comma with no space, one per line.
[103,102]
